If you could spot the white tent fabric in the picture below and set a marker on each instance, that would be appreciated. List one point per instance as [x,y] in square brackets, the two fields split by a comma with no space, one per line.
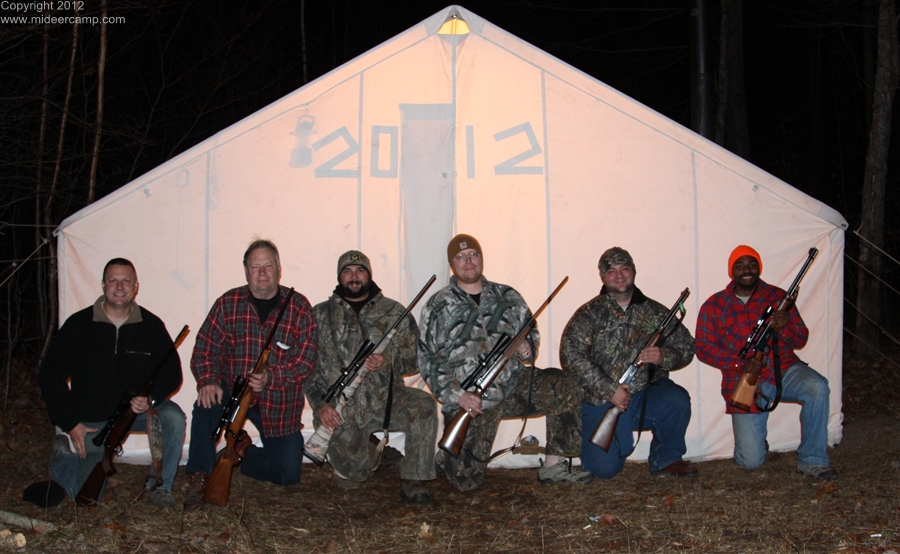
[430,134]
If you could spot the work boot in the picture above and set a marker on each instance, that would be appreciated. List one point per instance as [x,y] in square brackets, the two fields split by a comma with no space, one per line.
[162,499]
[562,472]
[819,472]
[193,500]
[678,469]
[414,492]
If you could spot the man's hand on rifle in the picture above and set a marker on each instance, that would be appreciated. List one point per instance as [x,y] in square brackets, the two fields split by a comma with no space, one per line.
[77,433]
[622,397]
[140,404]
[329,417]
[524,351]
[374,362]
[258,381]
[471,403]
[780,319]
[209,395]
[651,355]
[753,366]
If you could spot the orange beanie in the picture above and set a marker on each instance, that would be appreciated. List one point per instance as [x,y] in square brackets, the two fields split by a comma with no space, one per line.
[740,252]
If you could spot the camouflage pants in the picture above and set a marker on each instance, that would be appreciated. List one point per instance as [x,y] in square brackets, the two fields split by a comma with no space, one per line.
[413,412]
[554,393]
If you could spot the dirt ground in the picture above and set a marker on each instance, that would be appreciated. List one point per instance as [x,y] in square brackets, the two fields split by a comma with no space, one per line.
[723,510]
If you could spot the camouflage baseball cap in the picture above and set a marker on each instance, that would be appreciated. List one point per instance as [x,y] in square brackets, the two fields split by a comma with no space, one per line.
[615,256]
[354,257]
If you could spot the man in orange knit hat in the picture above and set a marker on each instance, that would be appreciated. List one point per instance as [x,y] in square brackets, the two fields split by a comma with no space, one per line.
[725,322]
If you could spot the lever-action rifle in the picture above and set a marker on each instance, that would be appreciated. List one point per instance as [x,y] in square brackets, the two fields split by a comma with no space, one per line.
[233,417]
[484,374]
[606,429]
[759,342]
[116,431]
[349,380]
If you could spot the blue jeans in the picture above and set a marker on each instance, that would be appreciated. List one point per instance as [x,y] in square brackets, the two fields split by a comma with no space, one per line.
[71,471]
[800,383]
[668,414]
[278,462]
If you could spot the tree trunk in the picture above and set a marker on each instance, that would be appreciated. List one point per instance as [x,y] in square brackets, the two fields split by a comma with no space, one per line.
[98,120]
[52,277]
[732,130]
[43,322]
[871,228]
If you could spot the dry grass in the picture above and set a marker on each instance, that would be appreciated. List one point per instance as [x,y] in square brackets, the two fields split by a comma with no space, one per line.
[724,510]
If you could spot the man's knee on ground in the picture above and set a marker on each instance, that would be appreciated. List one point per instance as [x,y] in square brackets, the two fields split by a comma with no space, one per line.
[750,463]
[603,471]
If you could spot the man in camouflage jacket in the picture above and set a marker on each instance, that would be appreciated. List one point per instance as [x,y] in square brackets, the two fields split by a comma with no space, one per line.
[460,324]
[599,343]
[357,310]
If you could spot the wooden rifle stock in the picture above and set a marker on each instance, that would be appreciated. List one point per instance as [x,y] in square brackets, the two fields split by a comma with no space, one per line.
[606,429]
[219,483]
[455,432]
[316,448]
[116,431]
[758,341]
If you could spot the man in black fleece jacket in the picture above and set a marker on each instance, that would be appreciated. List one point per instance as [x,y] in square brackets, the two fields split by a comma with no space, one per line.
[100,353]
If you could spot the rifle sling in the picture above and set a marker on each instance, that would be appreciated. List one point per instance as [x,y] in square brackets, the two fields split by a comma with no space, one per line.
[776,366]
[640,423]
[518,439]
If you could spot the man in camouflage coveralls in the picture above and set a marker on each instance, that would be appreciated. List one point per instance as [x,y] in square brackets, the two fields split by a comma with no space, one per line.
[357,310]
[460,324]
[599,343]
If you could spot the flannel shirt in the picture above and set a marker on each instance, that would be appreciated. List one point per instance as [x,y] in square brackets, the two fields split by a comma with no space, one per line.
[231,339]
[725,323]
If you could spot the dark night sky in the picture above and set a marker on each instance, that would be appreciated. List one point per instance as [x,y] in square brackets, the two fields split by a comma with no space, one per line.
[179,72]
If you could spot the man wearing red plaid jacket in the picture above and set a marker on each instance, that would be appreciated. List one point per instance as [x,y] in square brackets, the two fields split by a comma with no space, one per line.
[228,346]
[725,322]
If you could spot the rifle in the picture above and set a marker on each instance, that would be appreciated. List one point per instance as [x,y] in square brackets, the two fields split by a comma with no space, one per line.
[349,380]
[116,431]
[233,417]
[606,429]
[483,375]
[759,343]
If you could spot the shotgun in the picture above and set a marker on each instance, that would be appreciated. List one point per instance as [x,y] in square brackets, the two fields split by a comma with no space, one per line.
[349,380]
[484,374]
[116,431]
[759,342]
[219,484]
[606,429]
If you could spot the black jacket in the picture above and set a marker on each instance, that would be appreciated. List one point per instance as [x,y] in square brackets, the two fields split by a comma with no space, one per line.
[102,362]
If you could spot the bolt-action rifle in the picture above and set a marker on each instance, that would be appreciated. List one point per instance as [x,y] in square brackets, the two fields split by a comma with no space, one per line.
[606,429]
[483,375]
[759,343]
[116,431]
[316,448]
[233,417]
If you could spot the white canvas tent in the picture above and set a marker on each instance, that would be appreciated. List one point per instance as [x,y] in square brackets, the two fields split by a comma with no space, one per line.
[458,126]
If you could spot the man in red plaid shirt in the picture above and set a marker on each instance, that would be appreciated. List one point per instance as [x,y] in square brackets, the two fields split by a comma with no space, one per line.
[228,346]
[725,322]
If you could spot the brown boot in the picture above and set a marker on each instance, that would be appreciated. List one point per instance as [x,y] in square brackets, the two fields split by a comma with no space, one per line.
[414,492]
[193,500]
